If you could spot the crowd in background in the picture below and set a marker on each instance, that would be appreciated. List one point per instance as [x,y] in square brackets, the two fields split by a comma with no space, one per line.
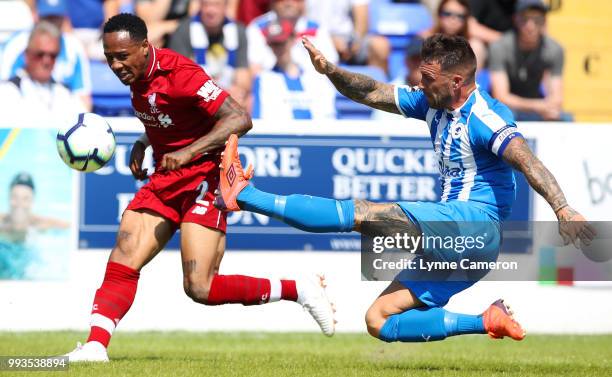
[253,49]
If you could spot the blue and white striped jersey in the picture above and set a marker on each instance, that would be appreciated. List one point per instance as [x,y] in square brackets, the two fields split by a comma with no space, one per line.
[469,142]
[278,96]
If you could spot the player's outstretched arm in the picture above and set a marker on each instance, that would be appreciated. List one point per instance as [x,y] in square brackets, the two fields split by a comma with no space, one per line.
[360,88]
[231,118]
[572,225]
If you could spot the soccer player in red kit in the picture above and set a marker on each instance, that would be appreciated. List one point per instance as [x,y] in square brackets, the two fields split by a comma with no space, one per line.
[187,119]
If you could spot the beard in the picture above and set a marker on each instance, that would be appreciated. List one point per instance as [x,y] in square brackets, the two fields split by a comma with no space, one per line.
[439,101]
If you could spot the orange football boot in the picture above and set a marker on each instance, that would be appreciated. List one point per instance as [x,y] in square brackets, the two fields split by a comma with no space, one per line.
[499,322]
[233,178]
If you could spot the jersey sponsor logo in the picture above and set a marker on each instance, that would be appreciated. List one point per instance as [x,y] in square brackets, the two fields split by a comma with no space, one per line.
[144,116]
[164,120]
[209,91]
[447,171]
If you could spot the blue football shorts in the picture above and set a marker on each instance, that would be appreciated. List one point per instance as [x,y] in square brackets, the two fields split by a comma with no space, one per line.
[447,227]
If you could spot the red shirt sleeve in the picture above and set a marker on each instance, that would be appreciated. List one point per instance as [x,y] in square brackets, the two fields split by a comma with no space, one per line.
[196,87]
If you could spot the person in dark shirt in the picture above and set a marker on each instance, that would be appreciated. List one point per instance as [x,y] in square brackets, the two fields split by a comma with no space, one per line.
[527,65]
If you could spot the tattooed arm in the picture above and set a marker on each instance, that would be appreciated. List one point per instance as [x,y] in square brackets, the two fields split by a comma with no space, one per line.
[572,225]
[231,118]
[360,88]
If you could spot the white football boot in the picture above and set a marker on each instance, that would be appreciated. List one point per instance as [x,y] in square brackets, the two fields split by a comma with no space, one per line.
[90,352]
[312,296]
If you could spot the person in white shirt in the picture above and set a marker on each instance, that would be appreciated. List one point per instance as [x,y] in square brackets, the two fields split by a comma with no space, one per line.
[287,91]
[32,97]
[71,66]
[347,22]
[261,56]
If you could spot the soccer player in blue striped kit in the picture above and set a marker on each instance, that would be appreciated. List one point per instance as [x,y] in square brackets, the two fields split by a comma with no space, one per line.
[477,143]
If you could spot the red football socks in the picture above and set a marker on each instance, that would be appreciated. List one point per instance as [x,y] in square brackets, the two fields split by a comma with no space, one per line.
[246,290]
[113,299]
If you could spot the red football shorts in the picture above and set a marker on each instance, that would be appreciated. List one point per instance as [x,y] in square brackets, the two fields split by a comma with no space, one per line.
[184,195]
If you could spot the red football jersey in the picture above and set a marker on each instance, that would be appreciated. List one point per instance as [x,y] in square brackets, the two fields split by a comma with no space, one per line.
[176,101]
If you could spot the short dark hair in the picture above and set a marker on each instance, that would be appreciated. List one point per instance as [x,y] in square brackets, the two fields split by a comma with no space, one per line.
[133,24]
[22,179]
[451,52]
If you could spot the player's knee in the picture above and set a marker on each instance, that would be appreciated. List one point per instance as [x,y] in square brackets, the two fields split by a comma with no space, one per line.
[374,321]
[125,249]
[197,290]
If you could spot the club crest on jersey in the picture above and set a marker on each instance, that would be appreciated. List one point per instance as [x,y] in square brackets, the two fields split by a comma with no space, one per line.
[151,98]
[457,130]
[209,91]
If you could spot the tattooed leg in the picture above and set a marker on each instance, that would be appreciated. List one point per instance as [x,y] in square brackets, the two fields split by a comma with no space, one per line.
[383,219]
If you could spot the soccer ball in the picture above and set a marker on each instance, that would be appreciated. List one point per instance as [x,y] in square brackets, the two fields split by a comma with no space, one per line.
[87,145]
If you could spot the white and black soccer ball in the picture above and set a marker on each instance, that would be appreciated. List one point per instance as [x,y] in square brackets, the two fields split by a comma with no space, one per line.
[87,145]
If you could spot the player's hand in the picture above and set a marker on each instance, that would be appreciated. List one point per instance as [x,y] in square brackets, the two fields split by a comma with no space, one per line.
[317,58]
[136,159]
[174,160]
[574,228]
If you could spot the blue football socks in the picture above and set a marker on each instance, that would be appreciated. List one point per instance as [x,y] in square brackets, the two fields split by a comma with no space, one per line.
[309,213]
[428,324]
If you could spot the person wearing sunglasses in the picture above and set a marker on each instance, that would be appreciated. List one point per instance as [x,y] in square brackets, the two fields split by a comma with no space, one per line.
[72,68]
[527,65]
[453,16]
[32,96]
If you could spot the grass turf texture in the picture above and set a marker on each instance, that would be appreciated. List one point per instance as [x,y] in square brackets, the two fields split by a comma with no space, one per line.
[152,354]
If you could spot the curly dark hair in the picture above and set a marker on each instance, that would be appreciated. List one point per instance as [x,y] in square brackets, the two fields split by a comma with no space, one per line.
[451,52]
[127,22]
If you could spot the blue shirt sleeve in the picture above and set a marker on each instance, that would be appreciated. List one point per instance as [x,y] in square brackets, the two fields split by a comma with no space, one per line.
[492,133]
[411,102]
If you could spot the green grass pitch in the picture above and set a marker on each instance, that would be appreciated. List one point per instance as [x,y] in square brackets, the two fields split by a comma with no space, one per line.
[151,354]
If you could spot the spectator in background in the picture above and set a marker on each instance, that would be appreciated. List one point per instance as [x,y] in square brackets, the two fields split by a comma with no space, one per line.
[220,46]
[168,22]
[347,22]
[245,11]
[491,18]
[261,56]
[411,78]
[32,97]
[288,92]
[87,17]
[71,66]
[525,61]
[453,16]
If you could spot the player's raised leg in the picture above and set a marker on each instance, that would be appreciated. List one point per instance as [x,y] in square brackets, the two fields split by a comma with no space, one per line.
[202,251]
[142,234]
[301,211]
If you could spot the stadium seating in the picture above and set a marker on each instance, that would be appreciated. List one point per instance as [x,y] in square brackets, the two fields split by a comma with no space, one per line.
[398,22]
[110,97]
[348,109]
